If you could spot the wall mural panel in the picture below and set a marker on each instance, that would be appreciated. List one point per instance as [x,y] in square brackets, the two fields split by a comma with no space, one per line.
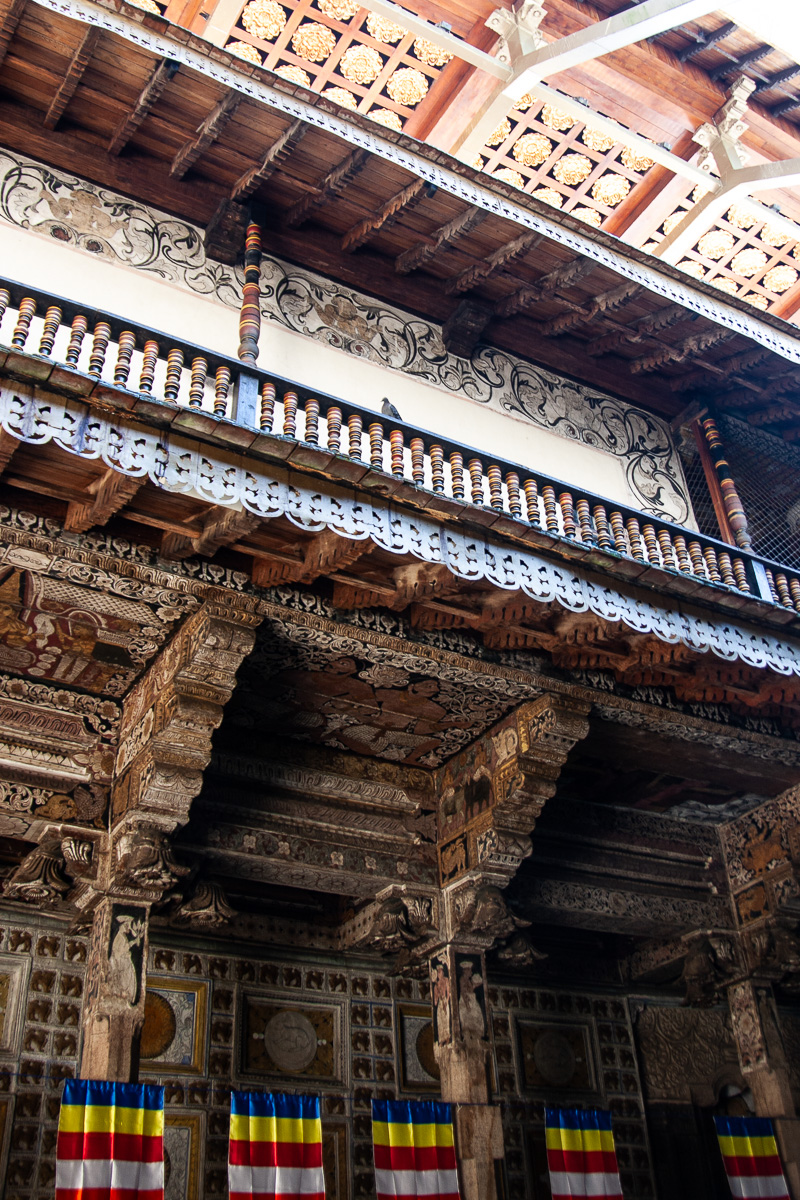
[102,223]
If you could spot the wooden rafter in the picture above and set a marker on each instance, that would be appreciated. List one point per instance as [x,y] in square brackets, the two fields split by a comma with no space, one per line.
[690,347]
[386,215]
[111,492]
[207,134]
[10,15]
[222,526]
[495,262]
[278,152]
[548,285]
[8,445]
[606,302]
[162,74]
[72,77]
[417,256]
[647,326]
[333,183]
[326,553]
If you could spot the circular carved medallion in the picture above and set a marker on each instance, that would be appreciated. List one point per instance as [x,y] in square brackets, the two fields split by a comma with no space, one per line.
[291,1041]
[159,1026]
[554,1058]
[424,1047]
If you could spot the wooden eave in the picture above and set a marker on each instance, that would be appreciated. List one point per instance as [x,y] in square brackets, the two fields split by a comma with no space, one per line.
[646,349]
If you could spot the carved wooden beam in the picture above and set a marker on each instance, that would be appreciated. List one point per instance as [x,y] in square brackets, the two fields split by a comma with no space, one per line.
[495,262]
[463,328]
[385,216]
[606,302]
[327,553]
[445,235]
[222,526]
[690,347]
[278,152]
[333,183]
[72,77]
[207,134]
[10,15]
[730,368]
[563,276]
[163,72]
[645,327]
[111,493]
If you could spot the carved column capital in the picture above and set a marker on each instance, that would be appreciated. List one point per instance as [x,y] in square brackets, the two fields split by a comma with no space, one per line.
[400,920]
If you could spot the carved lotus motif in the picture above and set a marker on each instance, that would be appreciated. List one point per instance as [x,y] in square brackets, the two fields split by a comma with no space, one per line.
[383,30]
[338,10]
[264,19]
[572,169]
[313,41]
[749,262]
[385,116]
[595,139]
[341,96]
[430,53]
[531,149]
[740,217]
[407,86]
[499,134]
[611,189]
[509,176]
[555,118]
[360,64]
[715,243]
[780,278]
[549,196]
[246,51]
[634,160]
[294,74]
[590,215]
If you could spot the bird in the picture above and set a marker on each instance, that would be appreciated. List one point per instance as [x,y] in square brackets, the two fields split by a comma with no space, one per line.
[389,410]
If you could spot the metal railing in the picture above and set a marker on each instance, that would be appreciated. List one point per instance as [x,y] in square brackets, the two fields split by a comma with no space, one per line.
[99,347]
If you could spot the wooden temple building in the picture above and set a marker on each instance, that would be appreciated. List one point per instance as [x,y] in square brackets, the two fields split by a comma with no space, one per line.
[400,574]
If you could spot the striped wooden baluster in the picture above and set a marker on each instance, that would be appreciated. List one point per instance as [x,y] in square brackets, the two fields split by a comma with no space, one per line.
[730,497]
[495,487]
[514,497]
[25,314]
[222,385]
[712,566]
[794,588]
[77,334]
[531,490]
[312,421]
[267,410]
[52,321]
[782,584]
[290,414]
[457,475]
[396,449]
[437,468]
[126,344]
[740,574]
[334,419]
[726,569]
[97,358]
[635,538]
[604,538]
[250,312]
[665,546]
[697,560]
[197,383]
[417,447]
[354,432]
[172,382]
[771,582]
[550,509]
[375,432]
[149,360]
[651,545]
[475,468]
[567,506]
[585,522]
[618,533]
[681,554]
[5,300]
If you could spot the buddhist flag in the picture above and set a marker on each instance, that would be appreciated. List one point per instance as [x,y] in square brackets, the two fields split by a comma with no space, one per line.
[581,1155]
[275,1150]
[414,1150]
[751,1158]
[110,1142]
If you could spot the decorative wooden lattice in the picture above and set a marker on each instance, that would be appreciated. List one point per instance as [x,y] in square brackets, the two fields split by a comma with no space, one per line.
[352,56]
[562,161]
[740,254]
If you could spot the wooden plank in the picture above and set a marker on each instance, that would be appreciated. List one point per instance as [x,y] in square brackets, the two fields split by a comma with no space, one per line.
[277,154]
[150,93]
[109,494]
[10,15]
[208,132]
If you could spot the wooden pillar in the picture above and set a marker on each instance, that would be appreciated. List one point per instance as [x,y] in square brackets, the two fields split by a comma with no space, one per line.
[250,313]
[731,501]
[764,1067]
[113,1011]
[461,1046]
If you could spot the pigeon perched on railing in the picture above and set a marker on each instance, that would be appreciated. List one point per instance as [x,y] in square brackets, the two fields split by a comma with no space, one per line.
[389,410]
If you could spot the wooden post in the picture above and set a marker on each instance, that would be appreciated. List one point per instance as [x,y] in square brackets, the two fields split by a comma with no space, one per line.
[732,504]
[250,314]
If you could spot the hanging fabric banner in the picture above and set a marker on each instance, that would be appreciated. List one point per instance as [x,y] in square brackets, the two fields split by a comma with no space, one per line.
[275,1149]
[110,1141]
[414,1150]
[751,1158]
[580,1154]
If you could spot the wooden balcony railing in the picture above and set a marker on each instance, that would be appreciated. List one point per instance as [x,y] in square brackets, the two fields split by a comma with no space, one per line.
[101,347]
